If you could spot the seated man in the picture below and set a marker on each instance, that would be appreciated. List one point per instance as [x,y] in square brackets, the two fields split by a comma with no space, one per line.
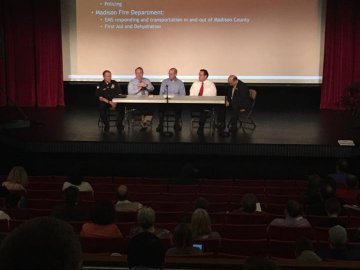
[106,91]
[293,217]
[237,101]
[338,249]
[146,223]
[145,251]
[70,209]
[171,86]
[123,204]
[203,87]
[141,86]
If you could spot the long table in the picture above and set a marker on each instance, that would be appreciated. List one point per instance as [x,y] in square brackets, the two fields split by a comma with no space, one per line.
[159,99]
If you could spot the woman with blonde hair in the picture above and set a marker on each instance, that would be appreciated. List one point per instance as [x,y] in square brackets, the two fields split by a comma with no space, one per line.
[201,225]
[17,179]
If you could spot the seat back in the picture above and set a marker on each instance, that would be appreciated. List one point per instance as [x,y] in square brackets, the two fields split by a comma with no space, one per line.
[253,94]
[102,245]
[255,247]
[289,233]
[209,245]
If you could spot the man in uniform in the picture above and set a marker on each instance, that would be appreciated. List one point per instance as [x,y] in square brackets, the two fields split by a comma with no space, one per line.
[105,92]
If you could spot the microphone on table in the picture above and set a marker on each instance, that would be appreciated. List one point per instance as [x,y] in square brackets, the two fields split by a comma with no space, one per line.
[143,89]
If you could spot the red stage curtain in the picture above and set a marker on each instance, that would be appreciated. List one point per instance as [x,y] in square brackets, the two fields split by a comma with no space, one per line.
[33,52]
[19,48]
[342,51]
[48,57]
[2,57]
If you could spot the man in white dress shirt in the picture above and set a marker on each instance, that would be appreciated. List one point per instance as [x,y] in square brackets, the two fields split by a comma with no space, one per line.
[203,87]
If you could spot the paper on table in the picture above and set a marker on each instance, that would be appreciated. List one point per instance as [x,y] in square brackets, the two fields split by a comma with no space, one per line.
[346,142]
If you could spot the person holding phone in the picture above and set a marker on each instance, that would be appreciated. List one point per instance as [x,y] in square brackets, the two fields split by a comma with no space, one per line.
[183,241]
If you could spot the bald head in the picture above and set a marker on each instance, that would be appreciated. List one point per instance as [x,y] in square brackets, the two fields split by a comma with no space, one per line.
[232,80]
[122,192]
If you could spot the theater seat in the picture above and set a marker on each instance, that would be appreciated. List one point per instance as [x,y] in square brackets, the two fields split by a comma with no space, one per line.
[102,245]
[250,231]
[256,247]
[210,245]
[289,233]
[243,218]
[4,226]
[282,249]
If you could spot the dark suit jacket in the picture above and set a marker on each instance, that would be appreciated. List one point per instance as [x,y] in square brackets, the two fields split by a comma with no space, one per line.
[241,98]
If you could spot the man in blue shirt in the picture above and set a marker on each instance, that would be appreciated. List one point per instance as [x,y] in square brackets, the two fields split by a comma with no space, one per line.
[141,86]
[172,87]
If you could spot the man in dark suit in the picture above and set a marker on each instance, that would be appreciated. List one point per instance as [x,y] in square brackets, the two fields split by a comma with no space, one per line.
[237,101]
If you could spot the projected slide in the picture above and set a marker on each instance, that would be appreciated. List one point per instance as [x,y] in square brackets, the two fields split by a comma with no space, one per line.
[258,40]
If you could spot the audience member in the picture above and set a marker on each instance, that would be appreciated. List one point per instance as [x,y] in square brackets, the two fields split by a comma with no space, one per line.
[145,251]
[348,194]
[333,209]
[16,200]
[187,175]
[123,204]
[42,244]
[102,223]
[183,241]
[70,210]
[342,169]
[78,181]
[201,203]
[293,216]
[146,223]
[17,179]
[304,251]
[4,216]
[201,225]
[355,207]
[317,207]
[338,249]
[249,205]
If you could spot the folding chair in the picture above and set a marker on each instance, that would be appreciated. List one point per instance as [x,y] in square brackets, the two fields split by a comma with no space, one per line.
[112,115]
[245,117]
[133,117]
[210,119]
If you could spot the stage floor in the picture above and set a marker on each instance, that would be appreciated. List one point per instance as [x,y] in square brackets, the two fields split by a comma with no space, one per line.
[278,133]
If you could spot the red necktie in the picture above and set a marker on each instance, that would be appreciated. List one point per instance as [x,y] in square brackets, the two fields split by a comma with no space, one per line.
[201,89]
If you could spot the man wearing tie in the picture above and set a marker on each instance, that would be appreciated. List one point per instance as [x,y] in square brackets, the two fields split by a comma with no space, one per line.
[141,86]
[171,86]
[237,101]
[203,87]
